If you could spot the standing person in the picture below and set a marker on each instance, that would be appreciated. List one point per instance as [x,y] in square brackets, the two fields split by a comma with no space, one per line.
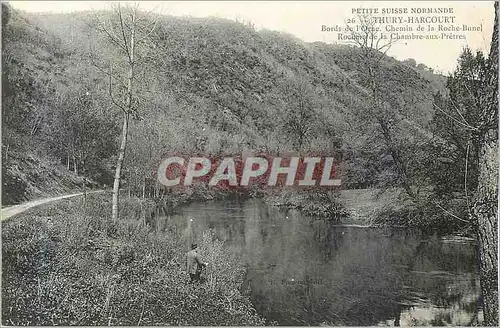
[194,264]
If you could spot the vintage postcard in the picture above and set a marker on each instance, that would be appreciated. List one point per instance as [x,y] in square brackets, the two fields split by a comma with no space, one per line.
[249,163]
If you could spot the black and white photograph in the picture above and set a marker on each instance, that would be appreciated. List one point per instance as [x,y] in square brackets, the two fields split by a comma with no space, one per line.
[249,163]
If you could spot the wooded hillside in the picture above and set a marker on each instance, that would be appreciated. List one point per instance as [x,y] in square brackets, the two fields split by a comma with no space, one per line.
[206,85]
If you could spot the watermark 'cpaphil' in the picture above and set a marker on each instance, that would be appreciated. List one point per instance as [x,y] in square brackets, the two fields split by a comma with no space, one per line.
[244,171]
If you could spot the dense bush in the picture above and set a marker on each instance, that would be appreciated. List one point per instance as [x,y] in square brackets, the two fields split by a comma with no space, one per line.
[68,264]
[320,204]
[444,217]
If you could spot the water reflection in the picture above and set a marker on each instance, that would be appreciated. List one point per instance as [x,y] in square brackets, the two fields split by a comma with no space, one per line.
[310,272]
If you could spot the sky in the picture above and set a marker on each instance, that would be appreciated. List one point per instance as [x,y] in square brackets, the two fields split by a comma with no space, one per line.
[304,19]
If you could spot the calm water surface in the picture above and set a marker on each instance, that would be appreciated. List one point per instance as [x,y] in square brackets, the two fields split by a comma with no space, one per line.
[302,271]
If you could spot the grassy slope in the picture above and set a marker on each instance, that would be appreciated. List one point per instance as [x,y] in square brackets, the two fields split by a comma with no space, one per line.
[34,70]
[27,176]
[75,268]
[238,72]
[364,204]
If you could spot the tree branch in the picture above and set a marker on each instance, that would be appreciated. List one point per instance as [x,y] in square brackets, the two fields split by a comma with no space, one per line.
[101,27]
[111,93]
[455,120]
[122,29]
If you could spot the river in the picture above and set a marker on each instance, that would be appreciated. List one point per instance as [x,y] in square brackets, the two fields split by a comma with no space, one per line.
[304,271]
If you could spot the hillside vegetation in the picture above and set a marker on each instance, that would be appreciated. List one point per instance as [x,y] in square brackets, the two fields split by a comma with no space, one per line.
[209,85]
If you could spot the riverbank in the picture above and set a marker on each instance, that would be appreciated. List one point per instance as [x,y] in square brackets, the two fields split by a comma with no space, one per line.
[393,208]
[67,264]
[355,207]
[315,203]
[318,204]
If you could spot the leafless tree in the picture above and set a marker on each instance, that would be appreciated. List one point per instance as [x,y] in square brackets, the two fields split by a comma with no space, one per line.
[372,47]
[299,117]
[366,35]
[129,31]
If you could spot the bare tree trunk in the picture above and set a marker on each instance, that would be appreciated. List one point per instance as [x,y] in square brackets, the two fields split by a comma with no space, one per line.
[371,56]
[396,157]
[119,163]
[485,211]
[75,168]
[84,191]
[485,208]
[128,110]
[144,188]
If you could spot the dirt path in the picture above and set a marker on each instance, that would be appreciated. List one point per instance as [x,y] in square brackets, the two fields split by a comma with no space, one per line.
[16,209]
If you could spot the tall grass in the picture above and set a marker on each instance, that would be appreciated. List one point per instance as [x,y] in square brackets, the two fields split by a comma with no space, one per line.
[68,264]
